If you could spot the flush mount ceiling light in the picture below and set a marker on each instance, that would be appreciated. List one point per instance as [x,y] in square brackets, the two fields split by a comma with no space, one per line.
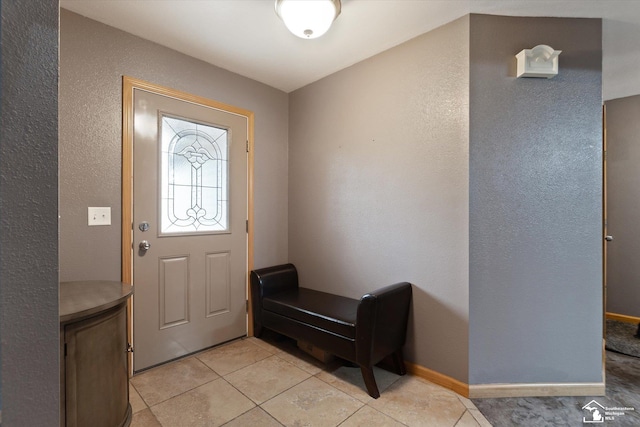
[308,19]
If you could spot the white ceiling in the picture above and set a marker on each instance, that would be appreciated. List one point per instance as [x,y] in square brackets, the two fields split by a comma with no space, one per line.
[247,38]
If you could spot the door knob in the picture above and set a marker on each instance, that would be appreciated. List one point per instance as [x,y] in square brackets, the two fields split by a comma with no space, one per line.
[608,238]
[144,245]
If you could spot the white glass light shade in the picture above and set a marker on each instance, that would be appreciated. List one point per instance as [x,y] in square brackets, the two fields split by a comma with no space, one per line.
[308,19]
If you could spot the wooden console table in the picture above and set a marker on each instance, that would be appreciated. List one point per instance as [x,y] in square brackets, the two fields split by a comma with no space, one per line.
[94,382]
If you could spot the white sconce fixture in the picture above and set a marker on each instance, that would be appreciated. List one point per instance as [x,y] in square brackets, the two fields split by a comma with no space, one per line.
[541,61]
[308,19]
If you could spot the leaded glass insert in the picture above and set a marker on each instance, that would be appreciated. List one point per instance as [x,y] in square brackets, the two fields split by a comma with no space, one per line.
[194,177]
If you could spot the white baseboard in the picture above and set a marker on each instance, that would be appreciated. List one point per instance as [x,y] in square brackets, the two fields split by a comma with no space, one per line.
[536,390]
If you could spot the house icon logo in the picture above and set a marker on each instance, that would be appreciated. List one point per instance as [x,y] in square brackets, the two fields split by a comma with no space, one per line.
[593,412]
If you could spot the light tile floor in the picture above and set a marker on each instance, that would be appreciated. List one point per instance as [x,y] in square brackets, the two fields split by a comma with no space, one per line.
[263,383]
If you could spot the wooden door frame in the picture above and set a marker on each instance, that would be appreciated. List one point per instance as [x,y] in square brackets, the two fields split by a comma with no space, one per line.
[129,84]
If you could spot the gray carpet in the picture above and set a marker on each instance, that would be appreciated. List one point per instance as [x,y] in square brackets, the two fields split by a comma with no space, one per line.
[621,338]
[622,390]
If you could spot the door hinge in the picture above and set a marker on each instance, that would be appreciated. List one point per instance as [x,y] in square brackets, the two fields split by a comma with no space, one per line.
[247,226]
[65,349]
[129,348]
[247,306]
[247,146]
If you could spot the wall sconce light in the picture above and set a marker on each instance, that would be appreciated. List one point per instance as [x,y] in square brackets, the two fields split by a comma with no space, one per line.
[308,19]
[541,61]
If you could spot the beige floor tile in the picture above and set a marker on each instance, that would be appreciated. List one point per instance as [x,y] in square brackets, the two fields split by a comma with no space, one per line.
[211,404]
[144,418]
[480,418]
[231,357]
[266,378]
[280,342]
[350,381]
[369,417]
[256,418]
[416,402]
[161,383]
[266,345]
[302,360]
[312,403]
[467,420]
[137,404]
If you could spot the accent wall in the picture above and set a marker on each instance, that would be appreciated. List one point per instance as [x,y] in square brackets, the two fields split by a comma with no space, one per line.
[535,277]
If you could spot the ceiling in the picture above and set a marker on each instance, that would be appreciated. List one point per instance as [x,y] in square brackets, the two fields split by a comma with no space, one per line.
[247,37]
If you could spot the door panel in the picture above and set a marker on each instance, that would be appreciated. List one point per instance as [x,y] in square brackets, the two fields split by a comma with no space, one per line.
[622,207]
[190,208]
[218,285]
[173,288]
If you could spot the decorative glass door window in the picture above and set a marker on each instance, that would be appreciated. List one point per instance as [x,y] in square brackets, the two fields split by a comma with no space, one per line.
[194,177]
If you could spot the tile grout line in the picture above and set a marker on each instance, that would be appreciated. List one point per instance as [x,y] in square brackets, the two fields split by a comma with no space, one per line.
[387,415]
[461,416]
[259,405]
[179,394]
[364,404]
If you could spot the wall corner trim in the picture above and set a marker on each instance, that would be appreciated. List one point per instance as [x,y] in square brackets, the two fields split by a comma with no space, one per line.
[438,378]
[536,390]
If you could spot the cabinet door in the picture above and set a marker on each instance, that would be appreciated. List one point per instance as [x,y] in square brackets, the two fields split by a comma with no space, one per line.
[97,389]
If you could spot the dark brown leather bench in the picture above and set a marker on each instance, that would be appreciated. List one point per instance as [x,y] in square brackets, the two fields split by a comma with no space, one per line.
[363,331]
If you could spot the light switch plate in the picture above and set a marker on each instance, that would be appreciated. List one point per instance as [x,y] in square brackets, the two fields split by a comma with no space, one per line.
[99,216]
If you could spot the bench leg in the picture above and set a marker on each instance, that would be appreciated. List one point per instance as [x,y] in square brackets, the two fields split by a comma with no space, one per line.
[398,362]
[370,381]
[257,329]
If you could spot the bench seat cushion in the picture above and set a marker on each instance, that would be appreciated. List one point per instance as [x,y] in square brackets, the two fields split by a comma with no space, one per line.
[333,313]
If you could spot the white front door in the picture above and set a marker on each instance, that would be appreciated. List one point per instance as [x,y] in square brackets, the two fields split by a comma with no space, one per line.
[189,226]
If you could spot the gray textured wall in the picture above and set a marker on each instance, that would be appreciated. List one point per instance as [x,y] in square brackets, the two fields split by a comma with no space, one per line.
[623,205]
[535,279]
[378,178]
[93,58]
[29,326]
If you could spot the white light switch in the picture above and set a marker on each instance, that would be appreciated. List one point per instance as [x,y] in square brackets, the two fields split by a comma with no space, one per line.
[99,216]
